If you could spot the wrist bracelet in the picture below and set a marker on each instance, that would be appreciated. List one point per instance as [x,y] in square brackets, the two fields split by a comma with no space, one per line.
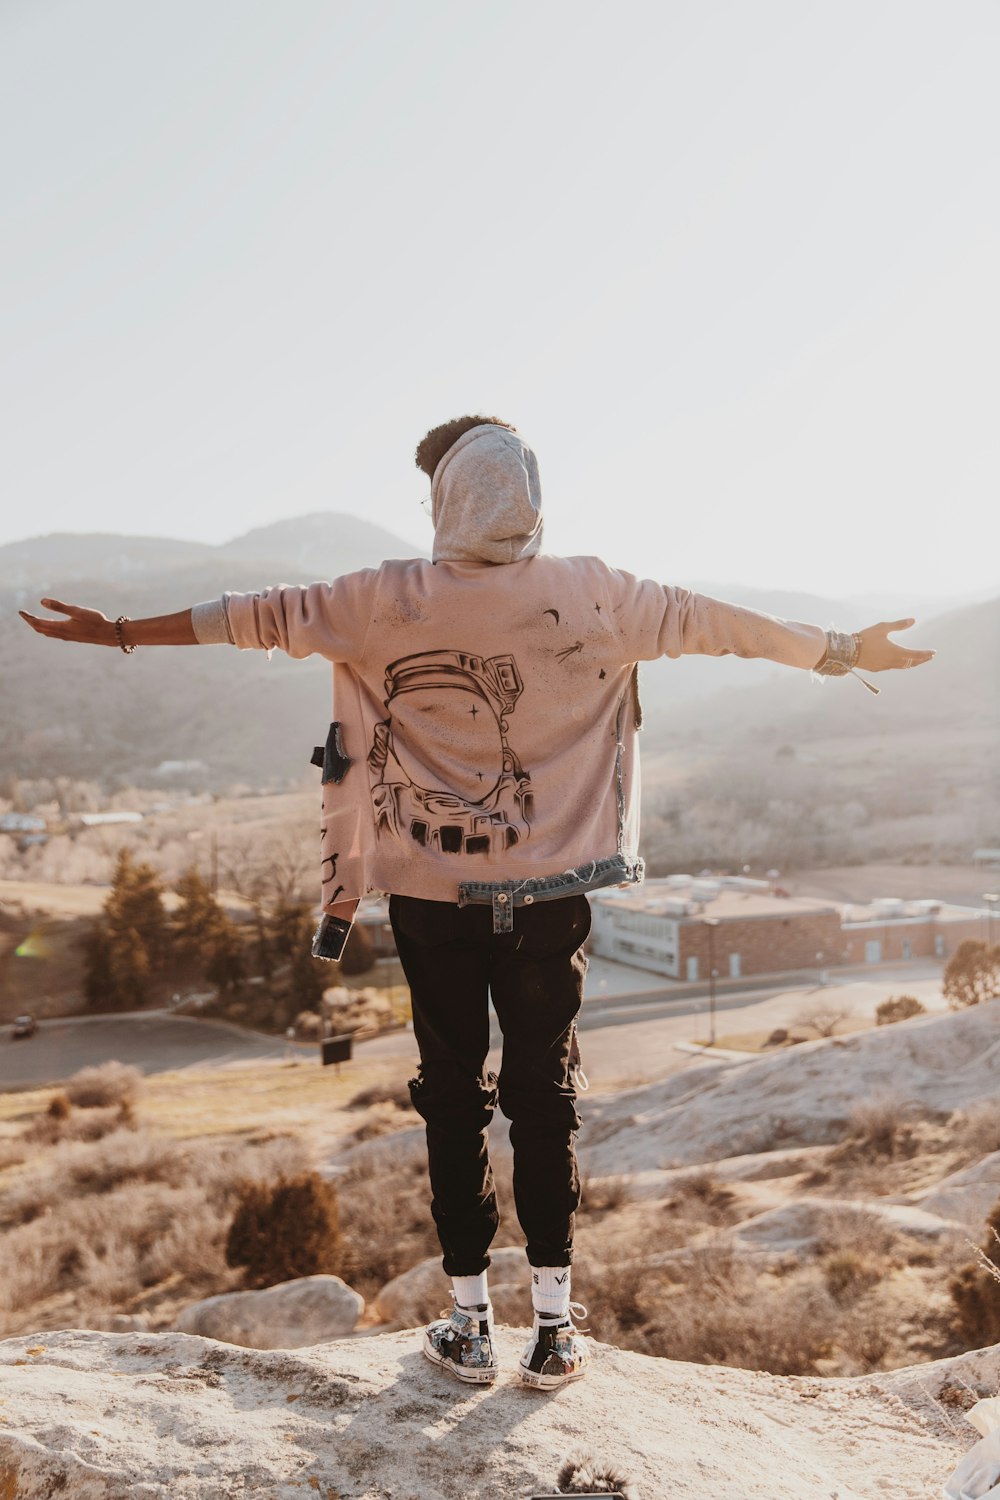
[119,636]
[841,657]
[841,654]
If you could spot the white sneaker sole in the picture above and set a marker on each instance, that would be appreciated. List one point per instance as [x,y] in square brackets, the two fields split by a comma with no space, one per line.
[483,1375]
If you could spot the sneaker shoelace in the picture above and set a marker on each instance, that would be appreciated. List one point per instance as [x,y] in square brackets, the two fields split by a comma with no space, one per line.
[576,1311]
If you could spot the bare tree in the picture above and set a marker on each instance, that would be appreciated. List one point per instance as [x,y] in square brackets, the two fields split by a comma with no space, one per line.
[823,1015]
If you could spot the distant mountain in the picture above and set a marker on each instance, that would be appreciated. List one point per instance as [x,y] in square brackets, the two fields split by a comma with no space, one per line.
[65,555]
[320,545]
[86,711]
[89,712]
[304,548]
[959,688]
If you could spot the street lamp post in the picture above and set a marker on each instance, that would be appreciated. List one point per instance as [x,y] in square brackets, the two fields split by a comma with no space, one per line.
[711,923]
[991,898]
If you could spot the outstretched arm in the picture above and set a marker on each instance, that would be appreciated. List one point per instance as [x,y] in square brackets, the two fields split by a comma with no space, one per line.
[92,628]
[329,618]
[695,624]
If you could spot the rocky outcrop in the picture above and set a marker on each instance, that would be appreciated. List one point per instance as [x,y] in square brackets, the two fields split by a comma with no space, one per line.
[98,1416]
[800,1097]
[291,1315]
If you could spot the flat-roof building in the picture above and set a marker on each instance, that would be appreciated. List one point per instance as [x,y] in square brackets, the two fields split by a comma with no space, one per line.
[662,926]
[683,926]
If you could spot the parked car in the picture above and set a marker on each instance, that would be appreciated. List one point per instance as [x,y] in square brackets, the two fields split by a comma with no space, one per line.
[23,1026]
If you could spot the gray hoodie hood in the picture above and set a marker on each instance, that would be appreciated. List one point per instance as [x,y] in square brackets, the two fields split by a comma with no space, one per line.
[486,499]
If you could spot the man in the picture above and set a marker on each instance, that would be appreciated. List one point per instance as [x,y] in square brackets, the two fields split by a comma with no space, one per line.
[483,770]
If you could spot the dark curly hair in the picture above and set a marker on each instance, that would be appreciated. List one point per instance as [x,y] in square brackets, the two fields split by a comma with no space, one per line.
[432,448]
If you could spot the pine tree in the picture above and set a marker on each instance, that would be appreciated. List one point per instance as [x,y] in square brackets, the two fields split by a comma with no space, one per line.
[98,981]
[135,904]
[196,920]
[225,966]
[128,945]
[130,968]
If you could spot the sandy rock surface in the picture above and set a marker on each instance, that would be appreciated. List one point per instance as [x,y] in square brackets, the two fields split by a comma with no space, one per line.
[99,1416]
[968,1196]
[798,1225]
[802,1096]
[290,1315]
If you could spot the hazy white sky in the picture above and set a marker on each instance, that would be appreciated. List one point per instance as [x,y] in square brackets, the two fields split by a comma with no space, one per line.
[732,268]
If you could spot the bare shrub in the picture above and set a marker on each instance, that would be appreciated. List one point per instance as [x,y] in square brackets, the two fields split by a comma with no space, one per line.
[721,1313]
[602,1195]
[308,1025]
[82,1125]
[976,1130]
[111,1083]
[152,1215]
[878,1127]
[381,1119]
[700,1196]
[975,1290]
[823,1015]
[384,1213]
[284,1230]
[382,1093]
[59,1106]
[848,1275]
[898,1008]
[856,1231]
[972,974]
[865,1334]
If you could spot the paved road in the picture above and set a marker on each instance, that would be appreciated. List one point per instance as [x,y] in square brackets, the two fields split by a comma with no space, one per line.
[152,1041]
[624,1036]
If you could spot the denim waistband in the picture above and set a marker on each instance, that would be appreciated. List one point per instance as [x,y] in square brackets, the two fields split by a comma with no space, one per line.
[504,895]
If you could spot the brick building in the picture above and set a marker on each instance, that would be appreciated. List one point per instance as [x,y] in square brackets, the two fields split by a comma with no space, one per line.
[894,929]
[662,926]
[684,927]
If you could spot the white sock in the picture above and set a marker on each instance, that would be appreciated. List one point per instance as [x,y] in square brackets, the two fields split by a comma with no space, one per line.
[470,1291]
[550,1290]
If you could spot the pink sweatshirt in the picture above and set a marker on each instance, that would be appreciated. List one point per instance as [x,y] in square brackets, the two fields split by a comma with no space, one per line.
[486,709]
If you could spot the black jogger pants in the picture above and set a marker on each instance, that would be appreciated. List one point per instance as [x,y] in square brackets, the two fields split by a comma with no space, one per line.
[453,962]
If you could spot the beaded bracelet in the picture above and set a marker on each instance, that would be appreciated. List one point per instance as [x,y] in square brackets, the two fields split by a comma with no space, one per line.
[120,638]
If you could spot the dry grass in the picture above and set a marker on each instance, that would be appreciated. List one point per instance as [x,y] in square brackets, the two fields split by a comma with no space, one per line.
[104,1216]
[975,1132]
[390,1091]
[113,1083]
[381,1119]
[101,1216]
[715,1307]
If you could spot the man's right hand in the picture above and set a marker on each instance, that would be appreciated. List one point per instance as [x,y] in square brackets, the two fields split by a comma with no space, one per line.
[879,654]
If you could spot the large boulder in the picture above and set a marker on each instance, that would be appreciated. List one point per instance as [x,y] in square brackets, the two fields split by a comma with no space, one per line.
[291,1315]
[424,1291]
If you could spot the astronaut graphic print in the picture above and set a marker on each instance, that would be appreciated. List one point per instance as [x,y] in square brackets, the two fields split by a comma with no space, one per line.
[444,773]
